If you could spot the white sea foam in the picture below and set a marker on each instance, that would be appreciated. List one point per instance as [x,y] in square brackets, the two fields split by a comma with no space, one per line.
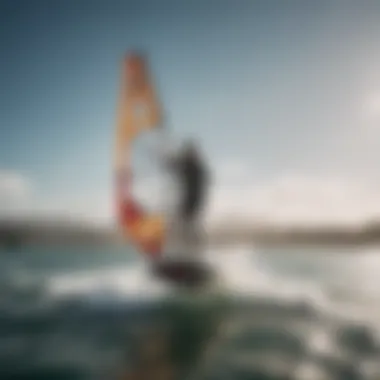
[238,269]
[242,273]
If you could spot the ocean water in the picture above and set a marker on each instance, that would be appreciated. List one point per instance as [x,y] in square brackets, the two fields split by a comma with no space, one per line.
[85,313]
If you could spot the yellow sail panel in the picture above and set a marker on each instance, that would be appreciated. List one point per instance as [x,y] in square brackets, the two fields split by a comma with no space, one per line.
[138,112]
[141,94]
[139,108]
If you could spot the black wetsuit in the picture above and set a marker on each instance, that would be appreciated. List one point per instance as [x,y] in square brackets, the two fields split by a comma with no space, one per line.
[193,177]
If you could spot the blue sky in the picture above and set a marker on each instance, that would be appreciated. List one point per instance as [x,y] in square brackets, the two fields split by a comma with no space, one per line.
[276,87]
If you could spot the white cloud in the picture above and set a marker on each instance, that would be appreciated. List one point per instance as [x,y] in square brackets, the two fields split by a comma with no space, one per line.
[294,199]
[95,207]
[14,187]
[236,197]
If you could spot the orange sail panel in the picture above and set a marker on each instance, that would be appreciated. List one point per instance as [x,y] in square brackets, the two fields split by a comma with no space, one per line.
[139,112]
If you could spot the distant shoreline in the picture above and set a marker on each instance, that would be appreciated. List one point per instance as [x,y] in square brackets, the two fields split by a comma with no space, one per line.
[21,233]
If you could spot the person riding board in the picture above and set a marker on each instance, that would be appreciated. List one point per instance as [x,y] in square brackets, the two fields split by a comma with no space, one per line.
[190,172]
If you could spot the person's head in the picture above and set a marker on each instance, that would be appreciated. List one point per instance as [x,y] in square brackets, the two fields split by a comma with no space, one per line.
[189,149]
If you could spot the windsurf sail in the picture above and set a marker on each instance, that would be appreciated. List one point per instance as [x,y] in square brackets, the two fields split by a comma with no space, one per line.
[139,112]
